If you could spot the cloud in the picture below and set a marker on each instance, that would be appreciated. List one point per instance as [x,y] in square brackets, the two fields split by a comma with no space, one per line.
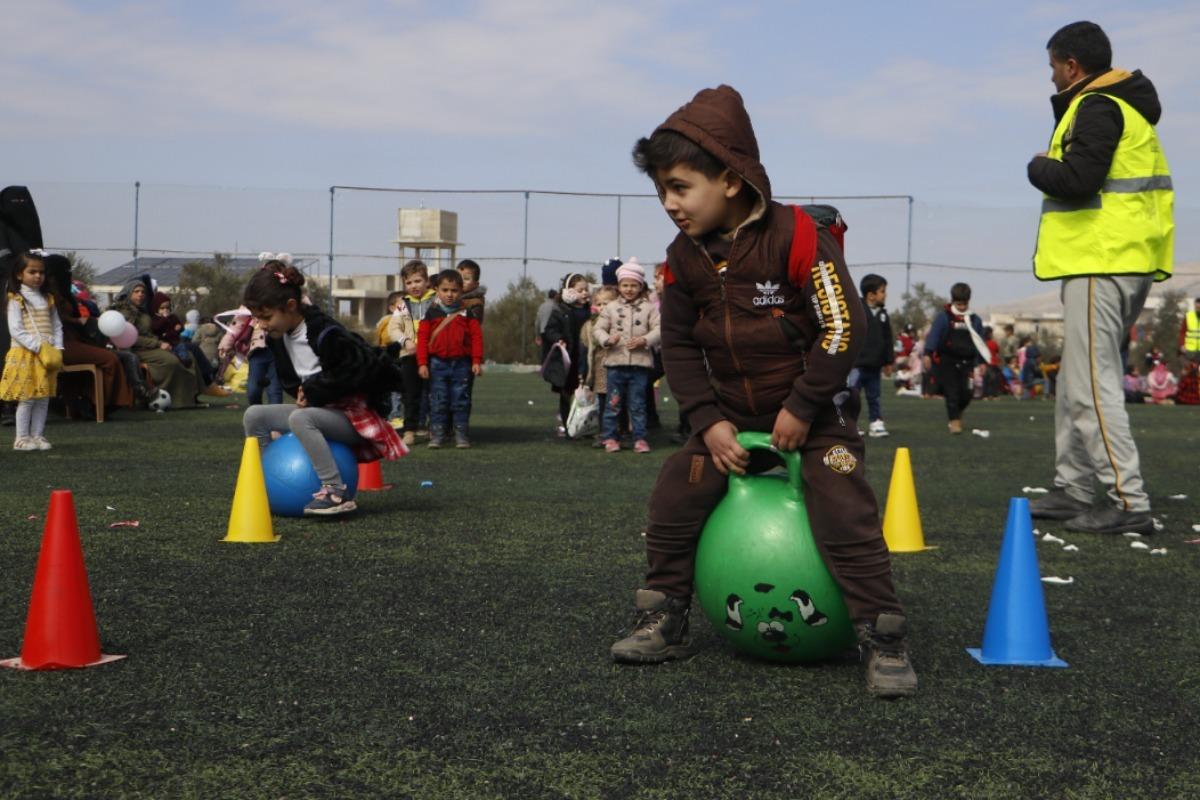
[512,67]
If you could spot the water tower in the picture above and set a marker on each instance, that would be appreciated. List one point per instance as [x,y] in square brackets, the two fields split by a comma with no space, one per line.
[429,234]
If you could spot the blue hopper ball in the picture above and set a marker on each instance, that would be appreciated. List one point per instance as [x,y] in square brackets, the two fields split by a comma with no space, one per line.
[290,477]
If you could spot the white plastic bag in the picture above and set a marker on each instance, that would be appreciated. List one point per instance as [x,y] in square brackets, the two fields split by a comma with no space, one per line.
[584,418]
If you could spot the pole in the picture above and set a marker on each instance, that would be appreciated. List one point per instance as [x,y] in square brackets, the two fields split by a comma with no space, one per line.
[618,253]
[908,256]
[524,278]
[331,307]
[137,201]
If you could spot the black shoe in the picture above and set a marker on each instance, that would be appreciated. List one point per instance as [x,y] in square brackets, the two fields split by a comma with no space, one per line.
[1111,520]
[889,672]
[329,501]
[1057,504]
[661,631]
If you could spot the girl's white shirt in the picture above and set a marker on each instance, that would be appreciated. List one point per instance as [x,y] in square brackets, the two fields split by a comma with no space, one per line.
[304,360]
[18,321]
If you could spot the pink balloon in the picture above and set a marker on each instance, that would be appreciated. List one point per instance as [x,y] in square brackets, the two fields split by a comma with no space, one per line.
[125,338]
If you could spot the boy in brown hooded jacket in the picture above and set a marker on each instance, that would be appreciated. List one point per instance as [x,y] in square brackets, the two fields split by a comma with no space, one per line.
[761,325]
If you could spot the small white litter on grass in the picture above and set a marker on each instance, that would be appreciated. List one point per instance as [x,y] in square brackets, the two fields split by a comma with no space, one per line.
[1034,490]
[1158,526]
[1131,535]
[530,402]
[1058,581]
[1036,532]
[1136,545]
[1179,497]
[1162,551]
[981,434]
[1050,537]
[1071,548]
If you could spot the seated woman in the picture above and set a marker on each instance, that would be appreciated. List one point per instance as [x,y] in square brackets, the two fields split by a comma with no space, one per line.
[82,343]
[167,371]
[1162,384]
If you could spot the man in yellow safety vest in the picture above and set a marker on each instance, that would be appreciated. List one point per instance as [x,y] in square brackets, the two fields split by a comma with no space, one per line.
[1189,333]
[1107,233]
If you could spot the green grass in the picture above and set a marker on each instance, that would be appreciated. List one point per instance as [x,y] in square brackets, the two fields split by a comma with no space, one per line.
[452,642]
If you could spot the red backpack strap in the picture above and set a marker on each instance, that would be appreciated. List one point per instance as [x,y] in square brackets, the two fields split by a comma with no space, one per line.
[804,248]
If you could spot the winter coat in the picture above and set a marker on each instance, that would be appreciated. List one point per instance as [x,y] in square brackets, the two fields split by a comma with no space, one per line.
[743,342]
[948,337]
[349,365]
[1092,141]
[473,302]
[878,350]
[460,337]
[564,325]
[629,321]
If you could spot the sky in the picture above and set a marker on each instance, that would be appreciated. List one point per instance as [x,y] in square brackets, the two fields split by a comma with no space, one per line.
[238,117]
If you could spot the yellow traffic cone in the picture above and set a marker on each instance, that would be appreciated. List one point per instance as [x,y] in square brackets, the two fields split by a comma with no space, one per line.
[250,517]
[902,519]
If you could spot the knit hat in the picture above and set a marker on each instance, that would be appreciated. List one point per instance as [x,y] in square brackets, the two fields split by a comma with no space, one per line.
[631,270]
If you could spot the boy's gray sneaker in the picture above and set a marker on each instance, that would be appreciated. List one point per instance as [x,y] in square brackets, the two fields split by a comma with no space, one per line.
[660,633]
[1111,520]
[882,647]
[330,500]
[1057,504]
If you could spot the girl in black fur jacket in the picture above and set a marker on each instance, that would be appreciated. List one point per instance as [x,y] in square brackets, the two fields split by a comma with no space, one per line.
[339,381]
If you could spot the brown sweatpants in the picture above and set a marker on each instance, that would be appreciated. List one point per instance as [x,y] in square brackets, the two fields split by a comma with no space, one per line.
[841,509]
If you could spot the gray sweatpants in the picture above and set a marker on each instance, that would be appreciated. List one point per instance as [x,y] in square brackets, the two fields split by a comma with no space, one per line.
[312,427]
[1092,437]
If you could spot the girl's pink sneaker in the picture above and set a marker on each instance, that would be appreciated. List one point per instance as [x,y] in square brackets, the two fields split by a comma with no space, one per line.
[641,446]
[611,445]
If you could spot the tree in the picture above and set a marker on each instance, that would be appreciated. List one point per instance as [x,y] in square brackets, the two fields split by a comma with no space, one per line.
[918,307]
[1164,328]
[82,270]
[209,286]
[508,337]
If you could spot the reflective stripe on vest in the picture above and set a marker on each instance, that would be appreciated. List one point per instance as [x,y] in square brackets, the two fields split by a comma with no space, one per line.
[1128,227]
[1191,341]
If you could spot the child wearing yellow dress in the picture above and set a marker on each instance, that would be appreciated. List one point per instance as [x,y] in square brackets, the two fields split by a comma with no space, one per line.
[32,364]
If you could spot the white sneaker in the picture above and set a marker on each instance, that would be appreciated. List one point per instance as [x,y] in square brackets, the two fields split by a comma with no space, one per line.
[878,429]
[41,442]
[25,444]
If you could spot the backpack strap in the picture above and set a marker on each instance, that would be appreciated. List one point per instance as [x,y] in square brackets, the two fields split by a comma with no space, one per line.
[804,248]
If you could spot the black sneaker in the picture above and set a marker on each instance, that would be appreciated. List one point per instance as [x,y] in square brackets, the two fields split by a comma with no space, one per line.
[883,649]
[1057,504]
[329,501]
[660,633]
[1111,520]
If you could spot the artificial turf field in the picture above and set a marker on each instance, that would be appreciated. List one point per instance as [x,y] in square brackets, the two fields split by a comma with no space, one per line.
[452,642]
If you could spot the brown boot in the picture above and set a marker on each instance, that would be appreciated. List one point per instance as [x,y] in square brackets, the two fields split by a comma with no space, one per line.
[956,426]
[661,631]
[883,648]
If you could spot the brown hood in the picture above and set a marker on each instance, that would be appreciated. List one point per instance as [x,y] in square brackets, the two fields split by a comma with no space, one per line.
[716,119]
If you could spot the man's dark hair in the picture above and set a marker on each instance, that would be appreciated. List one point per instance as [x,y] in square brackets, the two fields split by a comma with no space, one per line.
[1086,43]
[871,283]
[448,276]
[470,266]
[552,294]
[960,293]
[665,149]
[394,297]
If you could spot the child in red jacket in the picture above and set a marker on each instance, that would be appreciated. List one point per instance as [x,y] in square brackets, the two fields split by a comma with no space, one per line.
[449,352]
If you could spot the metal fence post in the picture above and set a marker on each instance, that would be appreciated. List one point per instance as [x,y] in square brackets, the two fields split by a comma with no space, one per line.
[908,256]
[332,304]
[137,202]
[524,278]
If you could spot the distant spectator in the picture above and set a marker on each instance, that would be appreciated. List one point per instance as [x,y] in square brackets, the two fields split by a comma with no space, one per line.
[1189,385]
[955,345]
[1189,333]
[1031,371]
[1134,385]
[1161,384]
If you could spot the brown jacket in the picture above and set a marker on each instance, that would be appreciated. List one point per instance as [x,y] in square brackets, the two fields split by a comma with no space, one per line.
[743,342]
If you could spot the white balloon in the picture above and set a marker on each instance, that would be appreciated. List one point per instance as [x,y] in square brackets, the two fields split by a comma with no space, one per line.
[111,323]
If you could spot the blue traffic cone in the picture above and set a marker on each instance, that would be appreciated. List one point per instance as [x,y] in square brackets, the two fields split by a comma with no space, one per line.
[1017,631]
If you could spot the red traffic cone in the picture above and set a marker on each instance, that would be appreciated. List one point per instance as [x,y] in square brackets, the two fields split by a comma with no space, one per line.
[370,477]
[60,631]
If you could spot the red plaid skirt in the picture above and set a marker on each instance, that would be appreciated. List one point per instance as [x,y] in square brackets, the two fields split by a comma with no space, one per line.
[382,441]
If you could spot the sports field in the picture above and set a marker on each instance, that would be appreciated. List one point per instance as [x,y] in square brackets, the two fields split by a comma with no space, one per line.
[452,641]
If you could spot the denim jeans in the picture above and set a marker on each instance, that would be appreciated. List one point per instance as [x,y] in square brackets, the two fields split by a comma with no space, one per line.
[626,385]
[449,395]
[867,378]
[261,374]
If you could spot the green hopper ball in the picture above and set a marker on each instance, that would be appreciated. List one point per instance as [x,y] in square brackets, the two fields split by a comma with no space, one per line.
[759,577]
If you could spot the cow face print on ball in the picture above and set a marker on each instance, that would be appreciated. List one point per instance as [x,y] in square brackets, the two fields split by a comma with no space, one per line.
[780,618]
